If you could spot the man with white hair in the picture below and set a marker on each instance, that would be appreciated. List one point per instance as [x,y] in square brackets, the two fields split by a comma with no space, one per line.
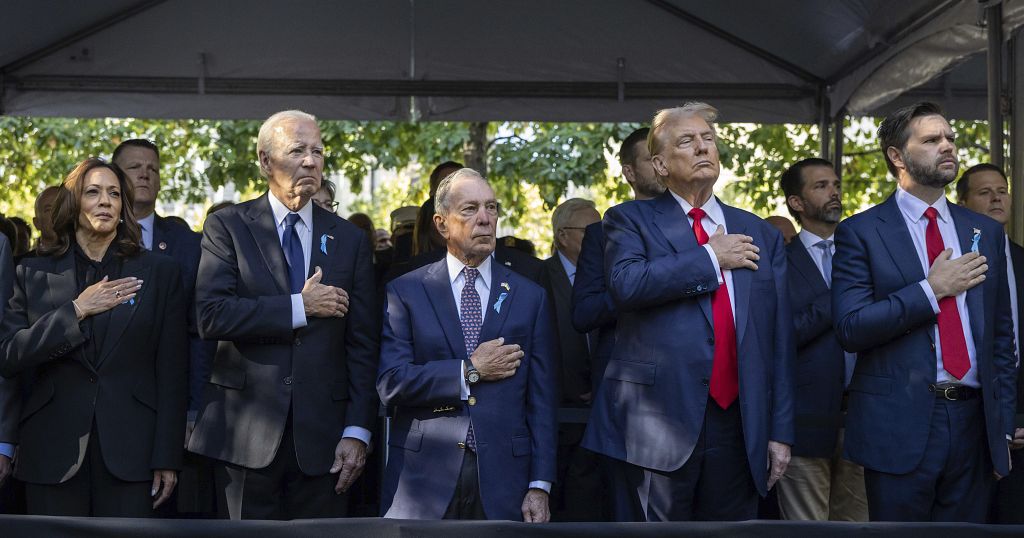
[698,285]
[287,289]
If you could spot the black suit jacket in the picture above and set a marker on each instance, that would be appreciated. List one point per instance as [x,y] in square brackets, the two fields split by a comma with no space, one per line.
[184,245]
[10,400]
[820,361]
[572,345]
[593,310]
[324,373]
[1017,259]
[135,390]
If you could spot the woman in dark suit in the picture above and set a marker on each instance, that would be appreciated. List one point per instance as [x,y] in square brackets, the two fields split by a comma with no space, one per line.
[96,332]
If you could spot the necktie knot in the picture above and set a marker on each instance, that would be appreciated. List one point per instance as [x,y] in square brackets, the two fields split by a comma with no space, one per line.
[471,274]
[824,244]
[291,219]
[931,214]
[697,214]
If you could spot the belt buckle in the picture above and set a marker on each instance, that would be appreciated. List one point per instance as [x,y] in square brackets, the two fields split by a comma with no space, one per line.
[950,393]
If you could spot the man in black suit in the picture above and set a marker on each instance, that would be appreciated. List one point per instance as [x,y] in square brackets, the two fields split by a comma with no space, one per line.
[593,312]
[819,484]
[983,188]
[287,288]
[578,490]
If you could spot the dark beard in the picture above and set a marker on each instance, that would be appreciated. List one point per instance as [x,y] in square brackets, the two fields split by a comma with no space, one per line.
[929,176]
[828,216]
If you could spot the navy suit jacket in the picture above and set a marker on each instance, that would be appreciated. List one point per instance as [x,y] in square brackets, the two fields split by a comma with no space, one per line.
[882,314]
[820,362]
[592,308]
[1017,259]
[514,420]
[184,245]
[264,371]
[649,410]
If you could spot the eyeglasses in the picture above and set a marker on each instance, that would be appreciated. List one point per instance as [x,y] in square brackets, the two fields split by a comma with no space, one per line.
[574,227]
[330,206]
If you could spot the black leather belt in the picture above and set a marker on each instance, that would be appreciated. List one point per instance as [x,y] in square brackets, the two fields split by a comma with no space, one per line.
[954,392]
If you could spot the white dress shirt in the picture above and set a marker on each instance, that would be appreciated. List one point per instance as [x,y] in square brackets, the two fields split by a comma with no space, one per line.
[912,209]
[147,224]
[304,228]
[570,268]
[713,217]
[483,288]
[810,242]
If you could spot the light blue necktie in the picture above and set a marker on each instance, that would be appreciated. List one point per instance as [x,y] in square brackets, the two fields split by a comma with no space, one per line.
[826,260]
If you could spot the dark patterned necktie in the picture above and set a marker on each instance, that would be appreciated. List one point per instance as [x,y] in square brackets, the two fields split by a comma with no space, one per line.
[292,247]
[472,320]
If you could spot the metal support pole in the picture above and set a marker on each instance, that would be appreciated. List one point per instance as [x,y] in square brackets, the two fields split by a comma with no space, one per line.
[837,143]
[823,122]
[994,23]
[1016,112]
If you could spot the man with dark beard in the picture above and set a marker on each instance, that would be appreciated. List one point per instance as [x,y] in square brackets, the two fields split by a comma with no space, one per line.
[819,484]
[919,292]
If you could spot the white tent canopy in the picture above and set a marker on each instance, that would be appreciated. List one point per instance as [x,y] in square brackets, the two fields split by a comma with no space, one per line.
[545,60]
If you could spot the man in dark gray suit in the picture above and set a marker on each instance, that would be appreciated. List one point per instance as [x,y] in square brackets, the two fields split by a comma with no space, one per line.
[287,287]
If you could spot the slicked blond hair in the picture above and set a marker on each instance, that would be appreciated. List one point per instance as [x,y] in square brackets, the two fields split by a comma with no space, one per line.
[691,108]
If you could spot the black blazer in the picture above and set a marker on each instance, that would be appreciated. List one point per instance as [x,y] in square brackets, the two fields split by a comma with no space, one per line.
[10,400]
[324,372]
[1017,259]
[135,392]
[572,345]
[820,361]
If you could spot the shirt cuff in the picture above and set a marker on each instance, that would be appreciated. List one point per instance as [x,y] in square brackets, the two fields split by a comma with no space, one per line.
[931,296]
[298,312]
[541,484]
[7,449]
[357,432]
[714,261]
[462,381]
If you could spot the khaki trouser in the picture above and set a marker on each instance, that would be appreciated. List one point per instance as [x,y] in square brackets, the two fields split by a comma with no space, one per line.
[823,489]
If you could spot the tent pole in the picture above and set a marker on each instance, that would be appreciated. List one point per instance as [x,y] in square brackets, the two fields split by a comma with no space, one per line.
[994,22]
[837,143]
[824,108]
[1016,79]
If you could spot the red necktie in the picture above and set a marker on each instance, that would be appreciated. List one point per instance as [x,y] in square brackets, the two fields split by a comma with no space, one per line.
[724,370]
[951,332]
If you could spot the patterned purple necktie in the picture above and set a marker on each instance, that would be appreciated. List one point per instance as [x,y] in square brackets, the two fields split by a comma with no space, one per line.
[472,320]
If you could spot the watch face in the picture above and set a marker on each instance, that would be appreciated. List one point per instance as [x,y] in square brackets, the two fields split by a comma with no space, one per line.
[474,377]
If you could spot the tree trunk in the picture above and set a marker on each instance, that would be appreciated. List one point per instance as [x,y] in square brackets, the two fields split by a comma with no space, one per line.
[475,149]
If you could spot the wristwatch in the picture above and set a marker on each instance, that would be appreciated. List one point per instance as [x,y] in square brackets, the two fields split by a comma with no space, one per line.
[472,374]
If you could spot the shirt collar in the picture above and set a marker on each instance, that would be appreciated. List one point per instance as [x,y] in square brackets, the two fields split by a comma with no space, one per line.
[711,208]
[810,240]
[455,267]
[913,208]
[147,222]
[280,212]
[570,268]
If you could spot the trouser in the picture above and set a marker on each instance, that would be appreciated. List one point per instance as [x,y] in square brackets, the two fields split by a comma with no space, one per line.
[466,502]
[823,489]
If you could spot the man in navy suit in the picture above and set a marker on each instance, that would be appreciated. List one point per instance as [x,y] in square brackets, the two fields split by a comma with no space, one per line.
[697,399]
[919,293]
[468,367]
[819,484]
[287,289]
[983,188]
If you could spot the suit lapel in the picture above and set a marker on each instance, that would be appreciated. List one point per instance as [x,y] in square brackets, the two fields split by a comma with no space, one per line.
[673,224]
[499,303]
[560,285]
[160,236]
[892,229]
[964,224]
[264,230]
[61,285]
[800,260]
[439,291]
[121,315]
[324,247]
[735,224]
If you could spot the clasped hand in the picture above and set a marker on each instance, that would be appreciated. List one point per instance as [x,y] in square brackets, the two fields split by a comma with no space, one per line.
[734,251]
[496,360]
[321,300]
[106,294]
[949,277]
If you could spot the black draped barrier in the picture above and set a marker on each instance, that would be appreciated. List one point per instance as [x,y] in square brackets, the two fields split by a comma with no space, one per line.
[35,526]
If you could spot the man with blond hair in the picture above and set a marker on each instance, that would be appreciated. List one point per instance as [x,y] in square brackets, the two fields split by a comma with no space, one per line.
[697,285]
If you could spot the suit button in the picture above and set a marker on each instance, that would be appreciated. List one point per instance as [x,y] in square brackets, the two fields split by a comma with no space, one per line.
[472,400]
[462,445]
[298,341]
[704,381]
[288,380]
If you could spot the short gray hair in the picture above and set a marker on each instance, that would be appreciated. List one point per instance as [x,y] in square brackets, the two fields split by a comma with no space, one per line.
[691,108]
[442,201]
[564,212]
[265,139]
